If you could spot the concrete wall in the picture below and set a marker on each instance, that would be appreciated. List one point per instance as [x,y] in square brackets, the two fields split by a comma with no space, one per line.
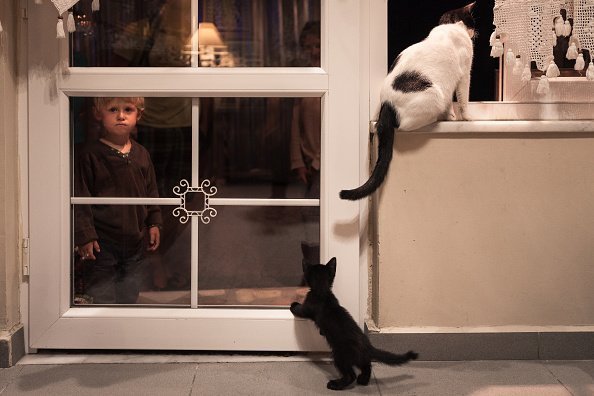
[9,211]
[490,230]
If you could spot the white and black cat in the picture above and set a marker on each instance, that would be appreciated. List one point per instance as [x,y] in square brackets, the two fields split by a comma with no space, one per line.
[350,346]
[420,88]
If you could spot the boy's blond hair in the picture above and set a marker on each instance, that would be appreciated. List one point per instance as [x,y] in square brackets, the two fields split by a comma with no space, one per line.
[102,101]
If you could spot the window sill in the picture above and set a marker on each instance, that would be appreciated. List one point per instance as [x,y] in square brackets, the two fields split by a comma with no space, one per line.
[490,127]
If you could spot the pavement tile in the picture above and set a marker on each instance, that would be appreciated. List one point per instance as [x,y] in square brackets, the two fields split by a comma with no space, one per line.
[8,375]
[576,376]
[479,378]
[103,379]
[291,378]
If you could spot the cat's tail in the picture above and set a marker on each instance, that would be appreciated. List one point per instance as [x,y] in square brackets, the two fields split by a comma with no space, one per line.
[392,358]
[387,121]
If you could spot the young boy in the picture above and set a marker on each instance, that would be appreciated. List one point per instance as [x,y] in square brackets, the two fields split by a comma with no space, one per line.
[111,239]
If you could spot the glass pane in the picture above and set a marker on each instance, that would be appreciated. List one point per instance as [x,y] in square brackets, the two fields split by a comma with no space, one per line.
[261,147]
[114,262]
[131,33]
[275,33]
[258,148]
[254,255]
[164,131]
[248,148]
[551,65]
[234,33]
[104,166]
[409,23]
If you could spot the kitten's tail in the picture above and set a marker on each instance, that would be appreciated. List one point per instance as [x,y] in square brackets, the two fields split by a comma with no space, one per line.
[387,121]
[391,358]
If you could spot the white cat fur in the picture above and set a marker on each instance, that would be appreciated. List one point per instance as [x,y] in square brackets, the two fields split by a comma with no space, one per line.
[450,49]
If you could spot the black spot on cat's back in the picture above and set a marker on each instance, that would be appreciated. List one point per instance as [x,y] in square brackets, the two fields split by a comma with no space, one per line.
[411,81]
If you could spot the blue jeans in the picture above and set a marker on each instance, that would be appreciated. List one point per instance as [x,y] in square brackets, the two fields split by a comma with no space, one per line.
[117,274]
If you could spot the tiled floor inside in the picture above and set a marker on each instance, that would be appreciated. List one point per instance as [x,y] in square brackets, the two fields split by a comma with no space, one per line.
[208,374]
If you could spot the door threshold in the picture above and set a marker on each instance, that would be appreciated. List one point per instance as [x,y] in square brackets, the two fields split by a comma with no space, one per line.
[44,357]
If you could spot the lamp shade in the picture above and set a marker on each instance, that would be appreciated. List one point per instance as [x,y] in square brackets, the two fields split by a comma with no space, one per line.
[207,34]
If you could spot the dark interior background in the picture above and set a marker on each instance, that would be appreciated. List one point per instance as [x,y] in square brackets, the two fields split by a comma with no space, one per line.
[411,21]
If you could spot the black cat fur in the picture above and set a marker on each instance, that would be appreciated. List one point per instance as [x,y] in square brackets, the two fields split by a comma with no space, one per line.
[350,346]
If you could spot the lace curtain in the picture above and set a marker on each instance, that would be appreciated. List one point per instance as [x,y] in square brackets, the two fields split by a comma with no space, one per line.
[61,5]
[526,31]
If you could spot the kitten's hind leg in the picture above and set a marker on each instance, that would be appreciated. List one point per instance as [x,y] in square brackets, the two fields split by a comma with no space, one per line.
[363,378]
[348,377]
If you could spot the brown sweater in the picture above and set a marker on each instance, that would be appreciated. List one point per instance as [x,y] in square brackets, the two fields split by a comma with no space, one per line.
[101,171]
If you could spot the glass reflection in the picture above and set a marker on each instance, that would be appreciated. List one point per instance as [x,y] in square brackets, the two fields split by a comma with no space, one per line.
[261,147]
[122,250]
[260,33]
[254,255]
[122,33]
[248,148]
[164,129]
[123,271]
[157,33]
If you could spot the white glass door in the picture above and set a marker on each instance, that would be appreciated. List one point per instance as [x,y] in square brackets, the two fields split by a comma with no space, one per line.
[251,120]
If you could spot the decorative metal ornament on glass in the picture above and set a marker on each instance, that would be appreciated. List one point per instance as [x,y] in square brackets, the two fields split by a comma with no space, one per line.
[190,197]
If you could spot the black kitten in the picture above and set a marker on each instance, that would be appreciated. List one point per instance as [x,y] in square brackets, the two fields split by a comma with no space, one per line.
[350,346]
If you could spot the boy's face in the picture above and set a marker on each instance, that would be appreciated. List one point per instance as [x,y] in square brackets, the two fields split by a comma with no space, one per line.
[118,117]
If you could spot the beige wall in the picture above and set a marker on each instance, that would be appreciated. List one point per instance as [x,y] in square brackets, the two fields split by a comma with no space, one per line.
[487,230]
[9,268]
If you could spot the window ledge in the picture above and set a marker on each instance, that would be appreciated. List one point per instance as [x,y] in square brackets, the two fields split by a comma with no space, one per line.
[484,127]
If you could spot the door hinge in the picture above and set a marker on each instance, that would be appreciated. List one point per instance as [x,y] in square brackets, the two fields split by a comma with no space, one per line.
[25,256]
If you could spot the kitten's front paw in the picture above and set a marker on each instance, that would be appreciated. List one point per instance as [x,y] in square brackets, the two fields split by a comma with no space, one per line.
[295,308]
[451,116]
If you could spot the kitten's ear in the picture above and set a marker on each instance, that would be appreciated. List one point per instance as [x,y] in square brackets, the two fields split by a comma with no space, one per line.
[304,265]
[331,265]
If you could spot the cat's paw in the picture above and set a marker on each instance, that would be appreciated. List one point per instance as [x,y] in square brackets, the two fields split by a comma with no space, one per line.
[335,385]
[463,116]
[295,308]
[451,116]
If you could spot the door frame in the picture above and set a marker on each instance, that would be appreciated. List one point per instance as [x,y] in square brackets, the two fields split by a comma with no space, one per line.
[342,82]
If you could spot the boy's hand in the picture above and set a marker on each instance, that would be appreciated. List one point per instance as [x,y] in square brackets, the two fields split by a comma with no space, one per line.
[154,239]
[86,251]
